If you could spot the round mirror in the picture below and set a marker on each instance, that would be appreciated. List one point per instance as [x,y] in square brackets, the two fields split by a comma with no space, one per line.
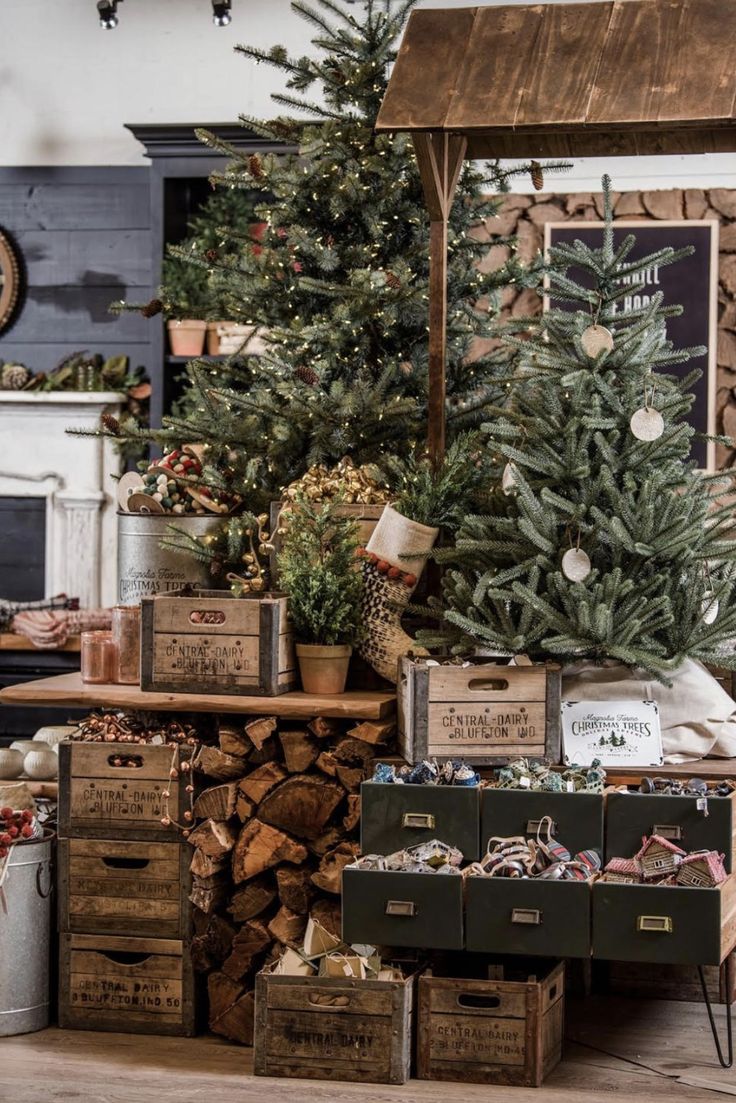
[9,281]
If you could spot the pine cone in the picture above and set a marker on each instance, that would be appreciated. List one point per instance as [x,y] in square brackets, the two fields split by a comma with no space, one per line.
[150,310]
[307,375]
[110,423]
[393,280]
[14,377]
[537,175]
[256,167]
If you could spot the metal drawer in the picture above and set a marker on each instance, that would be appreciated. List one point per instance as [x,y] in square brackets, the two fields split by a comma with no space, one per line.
[630,816]
[549,918]
[384,908]
[577,817]
[397,816]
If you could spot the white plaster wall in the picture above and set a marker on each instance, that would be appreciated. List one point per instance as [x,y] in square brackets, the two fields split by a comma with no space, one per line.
[67,87]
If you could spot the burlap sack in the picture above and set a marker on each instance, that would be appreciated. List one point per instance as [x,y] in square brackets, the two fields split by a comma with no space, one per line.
[697,716]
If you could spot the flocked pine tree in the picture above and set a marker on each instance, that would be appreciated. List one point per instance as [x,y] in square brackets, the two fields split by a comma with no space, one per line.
[602,545]
[337,281]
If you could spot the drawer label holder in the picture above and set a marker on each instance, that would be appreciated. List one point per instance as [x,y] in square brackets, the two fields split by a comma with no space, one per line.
[658,924]
[418,819]
[405,908]
[531,917]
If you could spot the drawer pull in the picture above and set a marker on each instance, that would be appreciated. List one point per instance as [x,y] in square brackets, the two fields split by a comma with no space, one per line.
[667,830]
[660,924]
[531,917]
[406,908]
[532,827]
[418,819]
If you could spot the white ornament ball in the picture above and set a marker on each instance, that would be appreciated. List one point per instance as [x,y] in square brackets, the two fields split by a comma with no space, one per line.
[576,565]
[41,764]
[647,423]
[709,607]
[23,745]
[53,734]
[11,763]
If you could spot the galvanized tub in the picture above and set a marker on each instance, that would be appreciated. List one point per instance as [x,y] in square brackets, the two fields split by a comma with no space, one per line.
[25,934]
[145,568]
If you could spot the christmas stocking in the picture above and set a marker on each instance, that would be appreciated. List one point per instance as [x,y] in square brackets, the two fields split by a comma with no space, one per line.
[393,560]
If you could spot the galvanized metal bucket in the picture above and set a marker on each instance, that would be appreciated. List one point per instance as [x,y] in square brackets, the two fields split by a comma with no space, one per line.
[145,568]
[25,934]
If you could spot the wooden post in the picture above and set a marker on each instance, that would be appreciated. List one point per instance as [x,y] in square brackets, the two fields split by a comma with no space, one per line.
[440,157]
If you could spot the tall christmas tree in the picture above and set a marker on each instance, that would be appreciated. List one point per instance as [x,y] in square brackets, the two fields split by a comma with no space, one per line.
[604,541]
[337,282]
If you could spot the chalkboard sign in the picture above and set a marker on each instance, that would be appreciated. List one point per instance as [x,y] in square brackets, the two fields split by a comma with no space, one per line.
[692,283]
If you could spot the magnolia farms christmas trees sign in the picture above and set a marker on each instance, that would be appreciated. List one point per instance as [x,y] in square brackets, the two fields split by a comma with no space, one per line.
[692,283]
[617,733]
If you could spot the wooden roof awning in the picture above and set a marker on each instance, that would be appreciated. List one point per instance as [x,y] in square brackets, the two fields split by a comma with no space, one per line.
[570,80]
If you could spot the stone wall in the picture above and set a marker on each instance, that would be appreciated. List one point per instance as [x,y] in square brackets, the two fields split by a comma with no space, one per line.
[525,216]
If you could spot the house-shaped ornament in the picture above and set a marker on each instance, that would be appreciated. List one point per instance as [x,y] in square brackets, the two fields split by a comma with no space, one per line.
[704,869]
[658,857]
[625,871]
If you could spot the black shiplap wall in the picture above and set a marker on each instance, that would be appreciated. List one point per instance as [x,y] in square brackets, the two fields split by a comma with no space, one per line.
[84,234]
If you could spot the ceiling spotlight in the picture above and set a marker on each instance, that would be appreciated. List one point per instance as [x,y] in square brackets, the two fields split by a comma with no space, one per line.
[107,11]
[221,13]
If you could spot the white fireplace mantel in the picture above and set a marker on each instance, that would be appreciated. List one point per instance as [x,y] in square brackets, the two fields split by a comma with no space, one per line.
[39,459]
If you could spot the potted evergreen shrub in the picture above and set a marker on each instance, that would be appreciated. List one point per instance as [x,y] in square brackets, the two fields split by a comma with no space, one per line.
[185,306]
[317,569]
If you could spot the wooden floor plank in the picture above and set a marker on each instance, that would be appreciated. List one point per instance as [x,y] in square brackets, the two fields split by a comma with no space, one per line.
[665,1039]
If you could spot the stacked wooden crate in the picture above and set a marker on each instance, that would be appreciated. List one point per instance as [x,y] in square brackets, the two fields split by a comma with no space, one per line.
[124,913]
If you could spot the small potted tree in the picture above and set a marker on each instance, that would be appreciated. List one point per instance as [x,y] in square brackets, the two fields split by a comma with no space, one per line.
[185,303]
[317,569]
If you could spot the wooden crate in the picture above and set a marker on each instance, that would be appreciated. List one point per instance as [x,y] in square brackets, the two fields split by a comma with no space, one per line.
[366,517]
[364,1036]
[491,1031]
[124,887]
[101,800]
[127,985]
[213,642]
[486,713]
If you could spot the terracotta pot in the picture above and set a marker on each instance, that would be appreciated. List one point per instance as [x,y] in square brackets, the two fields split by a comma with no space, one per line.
[324,669]
[186,337]
[213,338]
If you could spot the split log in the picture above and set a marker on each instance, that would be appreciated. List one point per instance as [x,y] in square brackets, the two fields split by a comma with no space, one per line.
[202,865]
[232,1009]
[268,753]
[244,808]
[295,888]
[353,752]
[352,819]
[288,927]
[300,750]
[250,941]
[371,732]
[258,731]
[213,839]
[323,727]
[327,763]
[209,893]
[328,912]
[303,805]
[328,840]
[224,767]
[350,777]
[212,944]
[261,846]
[233,741]
[260,782]
[217,802]
[253,898]
[329,875]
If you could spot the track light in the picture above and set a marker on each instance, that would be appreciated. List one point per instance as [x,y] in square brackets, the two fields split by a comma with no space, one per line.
[221,13]
[107,11]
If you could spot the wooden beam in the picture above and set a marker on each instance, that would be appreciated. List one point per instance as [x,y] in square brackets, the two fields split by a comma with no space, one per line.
[440,159]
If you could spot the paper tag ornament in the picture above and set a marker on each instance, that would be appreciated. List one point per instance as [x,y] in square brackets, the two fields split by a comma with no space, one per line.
[709,607]
[508,480]
[647,423]
[596,339]
[576,565]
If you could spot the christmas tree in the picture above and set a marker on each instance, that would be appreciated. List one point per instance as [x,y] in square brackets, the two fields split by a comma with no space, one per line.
[337,282]
[603,541]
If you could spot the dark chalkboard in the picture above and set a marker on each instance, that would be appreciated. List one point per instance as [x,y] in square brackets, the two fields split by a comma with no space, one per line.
[692,283]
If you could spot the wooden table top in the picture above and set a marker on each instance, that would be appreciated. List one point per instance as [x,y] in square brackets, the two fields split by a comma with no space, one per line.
[69,690]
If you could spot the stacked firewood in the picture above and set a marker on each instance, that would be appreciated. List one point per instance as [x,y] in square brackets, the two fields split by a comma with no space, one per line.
[273,833]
